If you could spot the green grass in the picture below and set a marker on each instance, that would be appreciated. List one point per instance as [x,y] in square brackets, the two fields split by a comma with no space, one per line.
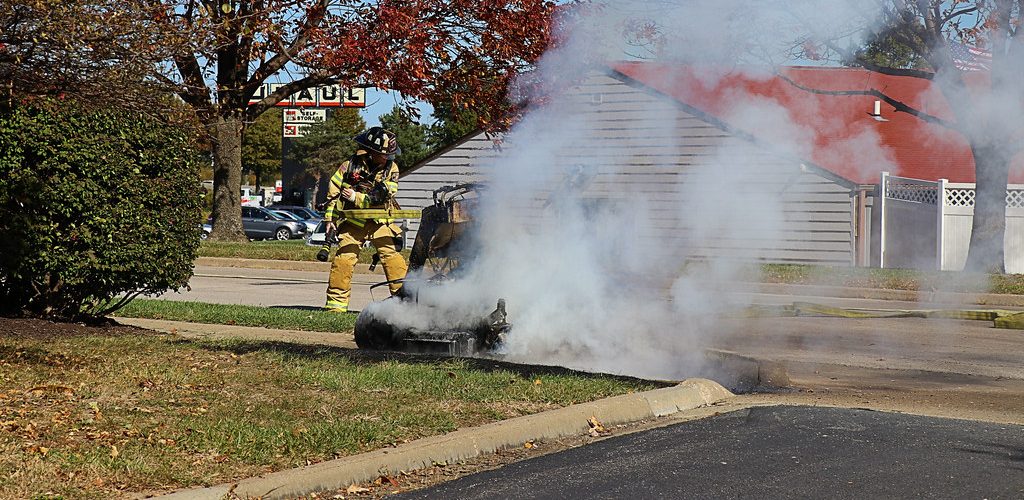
[101,413]
[229,314]
[273,250]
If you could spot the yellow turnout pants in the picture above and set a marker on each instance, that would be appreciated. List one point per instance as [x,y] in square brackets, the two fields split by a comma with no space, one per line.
[350,238]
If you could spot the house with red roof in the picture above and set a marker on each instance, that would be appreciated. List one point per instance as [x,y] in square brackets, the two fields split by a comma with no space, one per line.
[669,134]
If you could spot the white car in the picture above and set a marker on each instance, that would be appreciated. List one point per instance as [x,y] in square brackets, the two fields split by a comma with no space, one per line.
[318,235]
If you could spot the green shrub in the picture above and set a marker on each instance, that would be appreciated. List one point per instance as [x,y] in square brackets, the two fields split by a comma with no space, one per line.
[96,207]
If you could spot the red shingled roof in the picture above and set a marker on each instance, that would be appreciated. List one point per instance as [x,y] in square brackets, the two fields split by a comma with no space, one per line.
[836,132]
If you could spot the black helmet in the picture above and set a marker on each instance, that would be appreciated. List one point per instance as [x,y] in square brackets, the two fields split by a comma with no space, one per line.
[379,140]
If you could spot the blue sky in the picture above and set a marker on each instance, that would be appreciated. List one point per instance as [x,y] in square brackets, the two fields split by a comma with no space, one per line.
[379,103]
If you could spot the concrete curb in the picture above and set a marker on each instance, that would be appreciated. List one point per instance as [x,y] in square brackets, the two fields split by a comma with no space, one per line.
[467,443]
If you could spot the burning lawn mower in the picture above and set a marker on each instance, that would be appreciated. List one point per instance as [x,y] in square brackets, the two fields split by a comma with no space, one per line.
[420,318]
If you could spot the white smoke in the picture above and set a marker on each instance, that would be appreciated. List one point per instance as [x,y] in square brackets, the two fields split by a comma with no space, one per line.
[593,277]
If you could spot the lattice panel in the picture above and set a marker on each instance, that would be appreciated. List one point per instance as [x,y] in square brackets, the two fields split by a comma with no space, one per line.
[1015,198]
[959,197]
[912,192]
[965,198]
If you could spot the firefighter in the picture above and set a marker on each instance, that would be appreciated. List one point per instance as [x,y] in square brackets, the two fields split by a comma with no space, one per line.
[369,179]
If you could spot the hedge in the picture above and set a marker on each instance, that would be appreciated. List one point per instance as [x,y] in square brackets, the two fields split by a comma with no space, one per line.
[96,207]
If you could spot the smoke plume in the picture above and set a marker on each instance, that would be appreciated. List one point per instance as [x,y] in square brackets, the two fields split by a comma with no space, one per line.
[576,229]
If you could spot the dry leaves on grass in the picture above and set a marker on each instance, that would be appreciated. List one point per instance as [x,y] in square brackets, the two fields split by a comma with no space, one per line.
[596,429]
[355,488]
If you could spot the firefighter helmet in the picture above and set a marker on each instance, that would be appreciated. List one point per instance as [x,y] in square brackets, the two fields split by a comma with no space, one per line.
[379,140]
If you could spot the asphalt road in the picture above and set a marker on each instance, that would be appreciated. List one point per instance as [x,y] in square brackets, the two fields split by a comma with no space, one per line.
[773,452]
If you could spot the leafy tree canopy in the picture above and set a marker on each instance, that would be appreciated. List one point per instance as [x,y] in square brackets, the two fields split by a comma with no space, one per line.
[412,137]
[216,55]
[261,147]
[452,124]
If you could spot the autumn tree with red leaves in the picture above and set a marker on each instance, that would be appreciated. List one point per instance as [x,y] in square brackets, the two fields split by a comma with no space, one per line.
[95,51]
[464,53]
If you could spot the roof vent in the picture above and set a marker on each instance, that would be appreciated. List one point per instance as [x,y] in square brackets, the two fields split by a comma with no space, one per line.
[877,114]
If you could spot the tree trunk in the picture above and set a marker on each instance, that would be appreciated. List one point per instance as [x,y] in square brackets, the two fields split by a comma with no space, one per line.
[992,167]
[226,134]
[316,190]
[257,172]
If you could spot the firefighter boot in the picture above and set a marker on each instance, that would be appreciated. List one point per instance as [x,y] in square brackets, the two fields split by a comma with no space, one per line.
[339,286]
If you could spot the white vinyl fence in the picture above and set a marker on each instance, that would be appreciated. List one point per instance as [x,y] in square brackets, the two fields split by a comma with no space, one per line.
[927,224]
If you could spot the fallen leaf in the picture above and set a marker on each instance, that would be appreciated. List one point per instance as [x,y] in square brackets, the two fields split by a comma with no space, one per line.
[390,480]
[536,382]
[451,374]
[528,444]
[356,489]
[43,450]
[596,429]
[113,451]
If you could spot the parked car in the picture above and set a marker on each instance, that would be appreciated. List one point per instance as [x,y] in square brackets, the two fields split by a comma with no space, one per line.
[310,223]
[318,235]
[304,213]
[207,228]
[260,223]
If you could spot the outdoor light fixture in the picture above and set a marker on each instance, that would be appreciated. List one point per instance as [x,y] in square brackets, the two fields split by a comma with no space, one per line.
[877,115]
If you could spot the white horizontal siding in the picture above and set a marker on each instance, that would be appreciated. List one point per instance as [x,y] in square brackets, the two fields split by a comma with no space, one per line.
[645,149]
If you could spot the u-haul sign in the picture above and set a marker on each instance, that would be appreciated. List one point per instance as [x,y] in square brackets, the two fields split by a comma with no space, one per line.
[295,129]
[326,96]
[300,115]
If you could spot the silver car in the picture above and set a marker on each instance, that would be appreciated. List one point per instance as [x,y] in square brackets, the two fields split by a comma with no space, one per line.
[310,223]
[260,223]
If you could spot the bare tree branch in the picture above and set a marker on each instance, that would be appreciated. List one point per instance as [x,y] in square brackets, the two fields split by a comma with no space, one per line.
[945,19]
[275,63]
[897,104]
